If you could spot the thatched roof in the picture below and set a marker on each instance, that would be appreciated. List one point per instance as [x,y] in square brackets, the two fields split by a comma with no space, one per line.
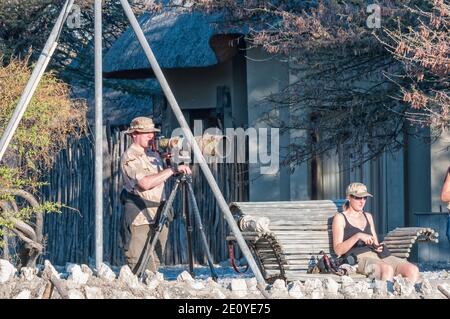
[121,107]
[179,39]
[121,104]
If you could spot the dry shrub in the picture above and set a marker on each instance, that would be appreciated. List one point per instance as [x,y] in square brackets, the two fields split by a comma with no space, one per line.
[51,117]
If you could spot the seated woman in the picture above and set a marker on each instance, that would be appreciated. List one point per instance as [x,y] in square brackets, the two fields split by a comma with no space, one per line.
[354,233]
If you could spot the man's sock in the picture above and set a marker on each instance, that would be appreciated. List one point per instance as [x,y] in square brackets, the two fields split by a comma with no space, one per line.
[390,286]
[418,286]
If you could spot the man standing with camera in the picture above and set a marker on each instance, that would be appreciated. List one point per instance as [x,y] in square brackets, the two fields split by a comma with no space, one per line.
[143,194]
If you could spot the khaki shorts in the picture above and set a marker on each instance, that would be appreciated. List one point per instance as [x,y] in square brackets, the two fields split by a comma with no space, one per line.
[370,258]
[139,236]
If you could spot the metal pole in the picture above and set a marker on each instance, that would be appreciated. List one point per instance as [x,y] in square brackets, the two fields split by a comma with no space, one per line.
[200,227]
[197,152]
[36,76]
[189,228]
[98,135]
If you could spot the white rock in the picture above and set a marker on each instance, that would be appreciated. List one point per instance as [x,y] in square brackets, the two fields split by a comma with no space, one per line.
[279,284]
[159,276]
[317,294]
[28,273]
[239,287]
[278,290]
[127,277]
[148,275]
[75,294]
[279,294]
[403,286]
[41,291]
[85,268]
[70,284]
[24,294]
[347,281]
[348,287]
[212,284]
[153,283]
[311,284]
[93,293]
[49,267]
[197,285]
[295,290]
[252,284]
[122,295]
[106,273]
[217,294]
[69,267]
[7,271]
[380,288]
[77,275]
[185,276]
[362,289]
[426,287]
[313,287]
[330,286]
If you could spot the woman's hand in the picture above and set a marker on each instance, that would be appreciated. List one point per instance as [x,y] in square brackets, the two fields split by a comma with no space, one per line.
[378,248]
[367,239]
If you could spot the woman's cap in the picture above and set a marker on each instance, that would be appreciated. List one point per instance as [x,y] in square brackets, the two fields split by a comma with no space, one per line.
[358,190]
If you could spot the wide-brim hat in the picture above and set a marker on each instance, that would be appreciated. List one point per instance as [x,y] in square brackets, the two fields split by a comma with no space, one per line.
[142,124]
[358,190]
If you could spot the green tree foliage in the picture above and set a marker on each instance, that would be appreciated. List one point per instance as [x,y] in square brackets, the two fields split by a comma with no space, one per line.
[49,120]
[26,24]
[23,25]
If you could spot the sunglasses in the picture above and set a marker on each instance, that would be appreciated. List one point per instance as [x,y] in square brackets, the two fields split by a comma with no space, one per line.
[358,198]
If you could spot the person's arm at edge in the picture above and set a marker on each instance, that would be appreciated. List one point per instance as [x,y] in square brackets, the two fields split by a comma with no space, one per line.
[445,192]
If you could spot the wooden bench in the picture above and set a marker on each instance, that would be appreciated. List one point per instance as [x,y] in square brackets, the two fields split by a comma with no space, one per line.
[299,230]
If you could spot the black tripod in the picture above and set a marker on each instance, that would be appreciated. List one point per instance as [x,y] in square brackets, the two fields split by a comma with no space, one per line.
[185,180]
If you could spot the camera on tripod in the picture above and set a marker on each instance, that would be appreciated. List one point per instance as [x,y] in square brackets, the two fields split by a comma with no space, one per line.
[171,150]
[175,150]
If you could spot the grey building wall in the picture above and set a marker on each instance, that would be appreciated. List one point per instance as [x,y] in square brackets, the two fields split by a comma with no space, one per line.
[266,75]
[196,88]
[418,178]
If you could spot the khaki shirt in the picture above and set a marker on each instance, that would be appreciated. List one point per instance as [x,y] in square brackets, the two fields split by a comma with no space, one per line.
[136,164]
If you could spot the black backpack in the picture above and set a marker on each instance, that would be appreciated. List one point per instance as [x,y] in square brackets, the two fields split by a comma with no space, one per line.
[326,264]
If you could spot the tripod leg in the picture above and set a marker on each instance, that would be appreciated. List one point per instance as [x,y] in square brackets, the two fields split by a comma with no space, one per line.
[148,251]
[199,222]
[188,228]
